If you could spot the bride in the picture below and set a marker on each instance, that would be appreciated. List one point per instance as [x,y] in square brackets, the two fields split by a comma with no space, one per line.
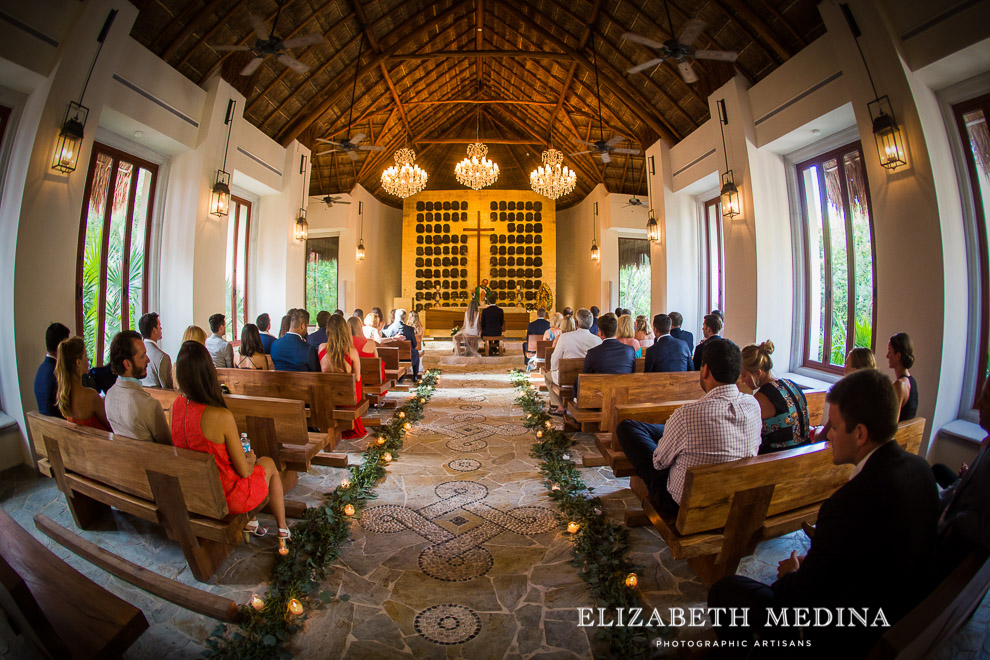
[466,339]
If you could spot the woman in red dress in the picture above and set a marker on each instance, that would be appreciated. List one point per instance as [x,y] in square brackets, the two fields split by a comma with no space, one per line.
[77,403]
[338,355]
[201,422]
[365,347]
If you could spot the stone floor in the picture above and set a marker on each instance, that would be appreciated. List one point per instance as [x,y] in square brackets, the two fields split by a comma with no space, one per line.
[462,555]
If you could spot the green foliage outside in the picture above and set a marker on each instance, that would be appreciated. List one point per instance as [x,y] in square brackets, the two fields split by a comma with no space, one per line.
[634,288]
[321,286]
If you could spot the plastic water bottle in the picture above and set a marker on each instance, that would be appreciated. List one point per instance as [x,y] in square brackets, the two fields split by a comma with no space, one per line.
[245,443]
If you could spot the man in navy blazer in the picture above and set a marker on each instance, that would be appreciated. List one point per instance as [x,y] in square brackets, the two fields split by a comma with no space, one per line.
[667,353]
[611,356]
[675,330]
[320,335]
[291,352]
[264,323]
[45,384]
[711,327]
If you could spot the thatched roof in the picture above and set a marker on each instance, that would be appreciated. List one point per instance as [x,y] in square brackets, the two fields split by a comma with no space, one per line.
[421,79]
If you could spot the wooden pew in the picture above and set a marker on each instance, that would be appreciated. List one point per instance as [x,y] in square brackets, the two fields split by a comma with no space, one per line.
[394,371]
[726,509]
[490,340]
[658,413]
[179,489]
[542,346]
[567,373]
[61,612]
[331,399]
[598,394]
[374,386]
[403,365]
[287,441]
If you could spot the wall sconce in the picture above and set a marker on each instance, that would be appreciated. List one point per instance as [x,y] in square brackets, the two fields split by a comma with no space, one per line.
[360,248]
[731,205]
[595,252]
[70,137]
[886,132]
[220,196]
[652,228]
[302,227]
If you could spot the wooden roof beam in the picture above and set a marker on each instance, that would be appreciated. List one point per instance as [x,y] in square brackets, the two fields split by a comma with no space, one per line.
[751,21]
[485,101]
[298,124]
[486,140]
[479,54]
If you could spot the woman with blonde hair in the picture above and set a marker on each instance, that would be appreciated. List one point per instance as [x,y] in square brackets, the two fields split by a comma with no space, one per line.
[554,330]
[338,355]
[412,319]
[372,323]
[859,358]
[624,333]
[466,339]
[567,325]
[77,403]
[644,333]
[194,333]
[783,407]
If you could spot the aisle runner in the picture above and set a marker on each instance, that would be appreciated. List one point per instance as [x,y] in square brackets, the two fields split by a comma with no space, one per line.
[462,547]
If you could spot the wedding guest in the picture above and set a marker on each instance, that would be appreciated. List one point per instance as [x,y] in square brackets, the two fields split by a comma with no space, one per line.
[320,335]
[783,407]
[45,383]
[77,403]
[220,348]
[202,422]
[251,353]
[625,332]
[712,326]
[159,372]
[900,358]
[132,412]
[264,323]
[291,352]
[338,355]
[194,333]
[676,320]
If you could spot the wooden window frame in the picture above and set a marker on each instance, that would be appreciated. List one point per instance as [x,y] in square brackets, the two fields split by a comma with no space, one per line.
[116,155]
[820,161]
[237,202]
[720,255]
[5,113]
[981,102]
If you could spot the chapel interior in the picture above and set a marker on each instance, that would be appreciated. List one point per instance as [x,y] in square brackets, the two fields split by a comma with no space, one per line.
[818,171]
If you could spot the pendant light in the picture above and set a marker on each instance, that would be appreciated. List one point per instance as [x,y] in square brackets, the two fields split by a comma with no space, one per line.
[595,252]
[360,254]
[729,193]
[302,226]
[652,226]
[220,195]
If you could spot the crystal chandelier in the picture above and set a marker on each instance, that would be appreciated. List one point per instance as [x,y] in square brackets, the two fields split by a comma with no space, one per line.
[552,179]
[405,178]
[476,171]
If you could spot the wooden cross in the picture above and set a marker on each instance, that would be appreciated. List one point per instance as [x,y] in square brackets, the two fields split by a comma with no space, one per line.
[479,230]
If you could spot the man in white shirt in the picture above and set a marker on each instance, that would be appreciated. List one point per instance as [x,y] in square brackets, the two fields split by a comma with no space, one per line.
[570,345]
[722,426]
[131,411]
[159,363]
[220,349]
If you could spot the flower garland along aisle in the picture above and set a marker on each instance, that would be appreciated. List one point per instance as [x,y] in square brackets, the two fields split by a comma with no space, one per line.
[267,623]
[600,544]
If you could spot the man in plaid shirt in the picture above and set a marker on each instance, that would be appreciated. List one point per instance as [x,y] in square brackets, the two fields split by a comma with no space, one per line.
[722,426]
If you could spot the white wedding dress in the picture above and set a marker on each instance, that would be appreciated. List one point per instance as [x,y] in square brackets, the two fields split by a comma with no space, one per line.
[466,339]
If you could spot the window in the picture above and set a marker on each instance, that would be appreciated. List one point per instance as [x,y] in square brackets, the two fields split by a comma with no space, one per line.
[714,257]
[838,229]
[634,275]
[321,275]
[112,281]
[235,276]
[972,119]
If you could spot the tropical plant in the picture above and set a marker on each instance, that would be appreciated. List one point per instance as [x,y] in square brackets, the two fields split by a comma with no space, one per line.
[634,288]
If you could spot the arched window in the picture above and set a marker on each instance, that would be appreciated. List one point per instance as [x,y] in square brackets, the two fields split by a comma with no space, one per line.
[840,291]
[112,278]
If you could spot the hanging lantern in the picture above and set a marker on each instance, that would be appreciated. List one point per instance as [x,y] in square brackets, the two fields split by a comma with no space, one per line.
[70,138]
[887,134]
[220,195]
[360,251]
[729,196]
[652,228]
[595,252]
[302,227]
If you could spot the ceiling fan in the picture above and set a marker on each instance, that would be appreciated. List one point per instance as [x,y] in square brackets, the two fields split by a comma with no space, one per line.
[679,49]
[350,145]
[603,147]
[270,44]
[635,201]
[330,201]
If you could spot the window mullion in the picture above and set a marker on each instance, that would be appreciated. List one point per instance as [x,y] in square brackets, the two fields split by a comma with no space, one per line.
[827,256]
[101,317]
[125,277]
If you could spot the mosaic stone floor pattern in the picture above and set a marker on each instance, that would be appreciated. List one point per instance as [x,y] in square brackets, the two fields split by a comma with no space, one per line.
[462,555]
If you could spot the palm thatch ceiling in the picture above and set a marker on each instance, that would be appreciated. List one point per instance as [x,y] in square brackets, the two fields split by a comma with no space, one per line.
[434,75]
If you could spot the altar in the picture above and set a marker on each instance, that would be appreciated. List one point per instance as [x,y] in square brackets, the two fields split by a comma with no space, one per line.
[439,322]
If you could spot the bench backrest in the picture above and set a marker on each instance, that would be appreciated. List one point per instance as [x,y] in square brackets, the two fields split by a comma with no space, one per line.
[322,392]
[389,355]
[568,371]
[801,477]
[531,341]
[371,371]
[289,415]
[120,463]
[404,346]
[543,348]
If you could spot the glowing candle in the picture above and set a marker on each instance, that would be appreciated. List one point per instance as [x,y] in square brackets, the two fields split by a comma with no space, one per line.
[632,580]
[283,549]
[539,434]
[573,527]
[407,426]
[256,602]
[349,509]
[381,440]
[387,457]
[295,607]
[345,483]
[402,415]
[549,425]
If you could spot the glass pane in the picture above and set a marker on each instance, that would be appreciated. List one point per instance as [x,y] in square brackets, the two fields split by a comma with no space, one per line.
[862,249]
[979,144]
[229,268]
[321,275]
[714,258]
[816,266]
[243,211]
[92,248]
[634,275]
[115,256]
[839,262]
[138,226]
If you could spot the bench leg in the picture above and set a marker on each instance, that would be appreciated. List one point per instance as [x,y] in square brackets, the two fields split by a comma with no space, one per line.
[593,460]
[85,510]
[331,460]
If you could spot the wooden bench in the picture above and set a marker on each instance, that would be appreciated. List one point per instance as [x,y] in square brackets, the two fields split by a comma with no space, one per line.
[658,413]
[286,439]
[61,612]
[542,347]
[330,398]
[567,372]
[940,615]
[726,509]
[490,344]
[374,386]
[598,394]
[403,363]
[178,489]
